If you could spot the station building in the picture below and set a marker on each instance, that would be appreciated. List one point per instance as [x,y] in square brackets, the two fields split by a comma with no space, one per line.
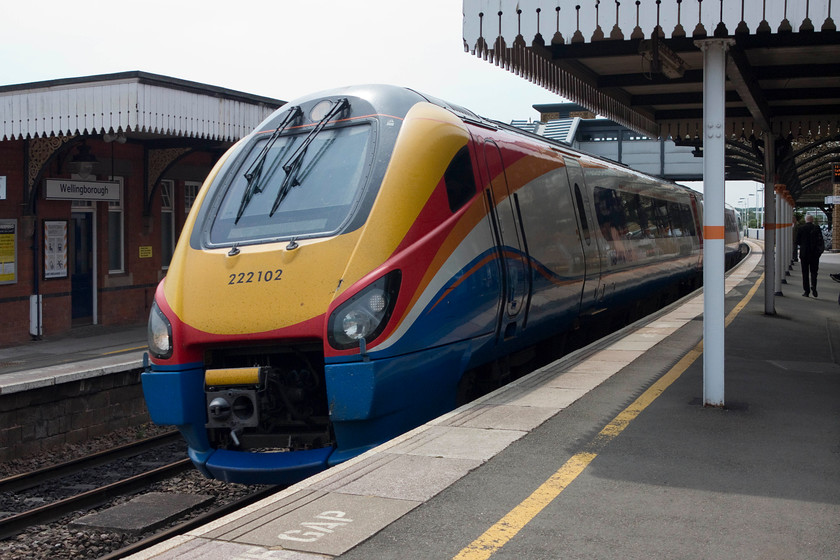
[574,125]
[97,175]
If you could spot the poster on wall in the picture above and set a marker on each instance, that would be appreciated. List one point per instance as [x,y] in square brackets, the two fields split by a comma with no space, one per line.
[8,251]
[55,249]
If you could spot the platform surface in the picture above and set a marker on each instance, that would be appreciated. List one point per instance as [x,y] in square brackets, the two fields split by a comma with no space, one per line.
[84,352]
[606,453]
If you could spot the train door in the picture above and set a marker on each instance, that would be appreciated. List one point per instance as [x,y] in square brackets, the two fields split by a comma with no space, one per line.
[510,242]
[593,290]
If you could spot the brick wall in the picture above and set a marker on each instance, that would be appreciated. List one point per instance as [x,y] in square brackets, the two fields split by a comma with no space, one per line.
[38,420]
[15,323]
[128,306]
[125,294]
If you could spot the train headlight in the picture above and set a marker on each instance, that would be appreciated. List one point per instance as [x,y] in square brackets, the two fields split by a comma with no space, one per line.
[364,315]
[159,334]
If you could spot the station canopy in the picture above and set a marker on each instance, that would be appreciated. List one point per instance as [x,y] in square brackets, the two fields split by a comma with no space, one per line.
[137,104]
[639,63]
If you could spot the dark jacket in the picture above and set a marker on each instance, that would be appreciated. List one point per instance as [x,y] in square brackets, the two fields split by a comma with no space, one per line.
[810,241]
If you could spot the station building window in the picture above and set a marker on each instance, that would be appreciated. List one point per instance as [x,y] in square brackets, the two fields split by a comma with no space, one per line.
[190,192]
[116,233]
[167,222]
[629,135]
[603,135]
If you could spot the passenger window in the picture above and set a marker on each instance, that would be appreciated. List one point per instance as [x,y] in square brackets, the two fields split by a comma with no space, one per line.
[688,219]
[648,215]
[633,211]
[660,217]
[610,213]
[584,223]
[675,215]
[459,179]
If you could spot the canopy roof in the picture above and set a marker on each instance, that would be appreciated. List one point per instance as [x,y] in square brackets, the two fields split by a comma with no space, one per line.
[134,102]
[640,64]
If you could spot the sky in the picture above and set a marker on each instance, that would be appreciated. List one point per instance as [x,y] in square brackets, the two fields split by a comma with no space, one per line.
[274,48]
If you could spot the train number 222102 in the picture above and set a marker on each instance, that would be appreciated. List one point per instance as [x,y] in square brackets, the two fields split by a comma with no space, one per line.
[258,276]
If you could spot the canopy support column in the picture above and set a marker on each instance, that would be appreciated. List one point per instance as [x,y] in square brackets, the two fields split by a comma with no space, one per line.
[773,258]
[714,138]
[780,268]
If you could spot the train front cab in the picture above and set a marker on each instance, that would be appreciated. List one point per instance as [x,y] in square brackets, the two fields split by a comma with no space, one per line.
[372,388]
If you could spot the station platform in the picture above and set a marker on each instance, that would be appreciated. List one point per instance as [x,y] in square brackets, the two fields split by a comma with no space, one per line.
[606,453]
[82,353]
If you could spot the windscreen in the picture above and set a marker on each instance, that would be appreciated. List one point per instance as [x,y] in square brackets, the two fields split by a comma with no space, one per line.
[286,189]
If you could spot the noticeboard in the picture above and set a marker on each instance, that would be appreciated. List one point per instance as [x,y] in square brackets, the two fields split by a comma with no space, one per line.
[55,249]
[8,251]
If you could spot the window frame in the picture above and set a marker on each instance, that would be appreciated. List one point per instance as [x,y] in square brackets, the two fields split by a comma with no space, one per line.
[167,212]
[191,189]
[117,207]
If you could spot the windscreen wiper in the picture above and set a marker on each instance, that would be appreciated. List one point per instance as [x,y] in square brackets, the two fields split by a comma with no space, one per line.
[255,171]
[292,165]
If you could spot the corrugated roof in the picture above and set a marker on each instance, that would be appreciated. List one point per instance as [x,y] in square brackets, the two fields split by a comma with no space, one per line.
[562,130]
[526,125]
[640,64]
[129,102]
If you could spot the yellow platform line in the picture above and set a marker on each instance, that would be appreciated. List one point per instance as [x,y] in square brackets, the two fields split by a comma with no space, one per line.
[508,526]
[123,350]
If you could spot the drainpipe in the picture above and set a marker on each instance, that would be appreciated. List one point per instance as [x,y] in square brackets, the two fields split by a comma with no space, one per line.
[30,217]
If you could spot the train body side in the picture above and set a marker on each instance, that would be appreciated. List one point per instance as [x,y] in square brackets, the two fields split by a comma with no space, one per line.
[463,244]
[595,236]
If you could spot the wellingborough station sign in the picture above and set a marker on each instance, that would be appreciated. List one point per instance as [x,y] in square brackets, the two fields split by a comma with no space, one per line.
[69,189]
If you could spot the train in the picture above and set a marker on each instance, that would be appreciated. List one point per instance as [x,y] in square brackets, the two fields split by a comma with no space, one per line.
[368,256]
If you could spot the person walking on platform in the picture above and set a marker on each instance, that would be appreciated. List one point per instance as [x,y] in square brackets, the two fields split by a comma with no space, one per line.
[811,246]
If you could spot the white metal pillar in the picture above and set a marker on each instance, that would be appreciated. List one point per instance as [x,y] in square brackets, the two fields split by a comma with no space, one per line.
[714,138]
[790,222]
[781,267]
[773,261]
[785,232]
[782,231]
[789,230]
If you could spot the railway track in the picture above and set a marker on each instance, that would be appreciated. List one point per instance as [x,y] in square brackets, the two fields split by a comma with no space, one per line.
[49,481]
[33,478]
[197,521]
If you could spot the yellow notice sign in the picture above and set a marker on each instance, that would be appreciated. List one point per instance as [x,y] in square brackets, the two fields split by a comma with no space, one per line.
[146,252]
[8,251]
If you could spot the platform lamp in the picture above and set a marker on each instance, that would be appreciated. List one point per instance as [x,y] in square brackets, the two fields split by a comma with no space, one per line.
[83,163]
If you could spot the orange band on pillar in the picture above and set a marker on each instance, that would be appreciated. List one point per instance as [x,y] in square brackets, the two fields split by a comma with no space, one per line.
[713,232]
